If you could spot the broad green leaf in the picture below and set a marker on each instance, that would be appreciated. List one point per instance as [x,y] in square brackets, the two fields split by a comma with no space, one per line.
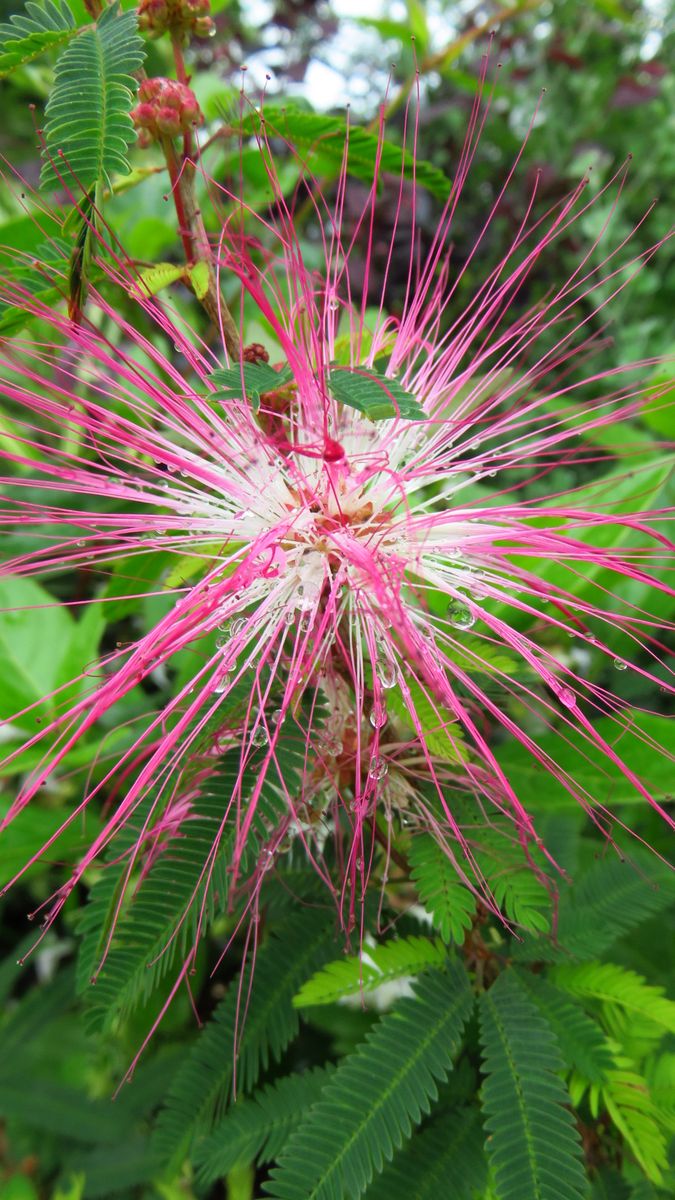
[31,829]
[251,380]
[35,636]
[375,395]
[588,765]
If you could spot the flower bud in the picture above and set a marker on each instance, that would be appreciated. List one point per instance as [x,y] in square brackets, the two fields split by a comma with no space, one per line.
[182,18]
[166,108]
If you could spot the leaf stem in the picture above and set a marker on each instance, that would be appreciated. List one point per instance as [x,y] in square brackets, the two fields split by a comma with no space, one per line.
[196,245]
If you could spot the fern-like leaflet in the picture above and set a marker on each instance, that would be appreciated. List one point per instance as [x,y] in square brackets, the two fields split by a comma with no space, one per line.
[38,28]
[446,1159]
[257,1129]
[532,1145]
[449,902]
[377,965]
[88,128]
[245,1039]
[376,1096]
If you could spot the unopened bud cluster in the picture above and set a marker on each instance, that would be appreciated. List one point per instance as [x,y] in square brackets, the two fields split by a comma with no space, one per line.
[182,18]
[166,108]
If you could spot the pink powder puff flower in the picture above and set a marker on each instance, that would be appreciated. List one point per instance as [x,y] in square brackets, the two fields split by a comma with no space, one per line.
[376,589]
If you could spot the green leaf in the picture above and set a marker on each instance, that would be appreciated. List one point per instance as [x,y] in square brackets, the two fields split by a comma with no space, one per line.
[251,380]
[41,648]
[377,1094]
[582,1043]
[372,393]
[617,985]
[153,279]
[188,882]
[200,277]
[376,965]
[257,1129]
[443,735]
[326,135]
[445,1160]
[106,1168]
[610,900]
[248,1034]
[32,828]
[588,766]
[64,1111]
[629,1104]
[88,127]
[533,1145]
[445,897]
[39,27]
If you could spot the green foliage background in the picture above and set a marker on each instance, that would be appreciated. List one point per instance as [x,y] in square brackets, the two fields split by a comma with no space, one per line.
[559,1083]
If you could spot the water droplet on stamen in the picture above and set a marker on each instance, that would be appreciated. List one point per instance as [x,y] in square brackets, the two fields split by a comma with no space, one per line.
[567,697]
[378,716]
[259,737]
[237,626]
[460,615]
[387,673]
[620,664]
[379,768]
[222,685]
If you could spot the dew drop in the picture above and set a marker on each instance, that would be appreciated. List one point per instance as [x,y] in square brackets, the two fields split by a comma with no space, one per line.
[266,860]
[359,864]
[476,444]
[567,697]
[378,716]
[222,685]
[460,615]
[386,673]
[221,641]
[492,474]
[259,737]
[620,664]
[237,627]
[379,768]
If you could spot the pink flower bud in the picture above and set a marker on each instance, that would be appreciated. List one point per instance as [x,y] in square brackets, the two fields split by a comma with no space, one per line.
[167,109]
